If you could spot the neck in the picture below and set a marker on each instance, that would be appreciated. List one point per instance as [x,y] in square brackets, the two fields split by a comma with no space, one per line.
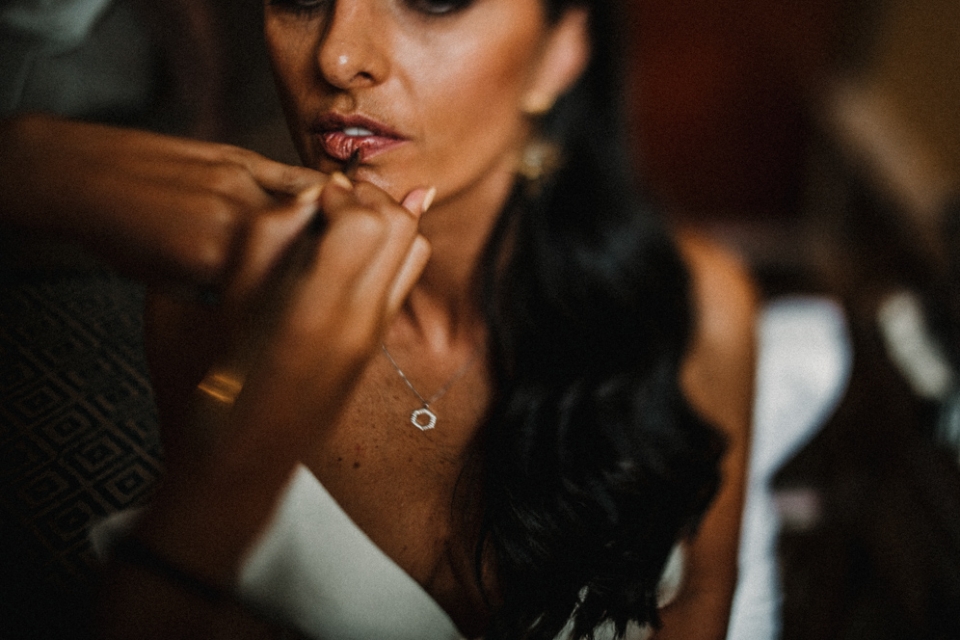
[443,308]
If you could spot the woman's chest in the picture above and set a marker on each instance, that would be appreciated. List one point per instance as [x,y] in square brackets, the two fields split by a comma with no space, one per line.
[414,493]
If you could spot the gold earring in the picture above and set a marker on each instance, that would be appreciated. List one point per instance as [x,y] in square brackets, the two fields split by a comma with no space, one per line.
[539,159]
[537,104]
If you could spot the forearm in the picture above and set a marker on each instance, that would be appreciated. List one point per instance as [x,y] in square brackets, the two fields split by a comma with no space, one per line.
[138,604]
[27,191]
[175,575]
[236,450]
[156,207]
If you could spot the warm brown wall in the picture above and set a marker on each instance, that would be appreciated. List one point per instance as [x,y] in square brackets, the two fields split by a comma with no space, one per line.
[917,67]
[719,99]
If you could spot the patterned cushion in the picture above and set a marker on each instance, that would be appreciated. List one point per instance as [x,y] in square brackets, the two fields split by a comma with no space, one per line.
[78,427]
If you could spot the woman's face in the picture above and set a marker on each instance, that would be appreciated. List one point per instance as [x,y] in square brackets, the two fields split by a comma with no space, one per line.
[432,92]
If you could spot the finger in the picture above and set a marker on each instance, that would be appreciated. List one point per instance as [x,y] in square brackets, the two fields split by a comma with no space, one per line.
[337,197]
[200,166]
[416,202]
[262,233]
[410,271]
[372,196]
[177,235]
[419,200]
[239,174]
[400,225]
[268,238]
[364,255]
[397,264]
[278,177]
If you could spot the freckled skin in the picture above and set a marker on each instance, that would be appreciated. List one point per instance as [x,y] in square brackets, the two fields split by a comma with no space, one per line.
[451,85]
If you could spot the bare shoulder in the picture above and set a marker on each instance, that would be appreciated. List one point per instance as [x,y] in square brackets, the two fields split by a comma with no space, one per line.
[718,372]
[717,379]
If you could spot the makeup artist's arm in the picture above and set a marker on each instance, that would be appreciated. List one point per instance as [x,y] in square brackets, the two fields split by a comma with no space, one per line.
[209,510]
[156,207]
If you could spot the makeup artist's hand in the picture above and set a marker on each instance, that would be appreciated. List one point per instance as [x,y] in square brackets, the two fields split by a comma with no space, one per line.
[366,262]
[159,208]
[206,515]
[321,333]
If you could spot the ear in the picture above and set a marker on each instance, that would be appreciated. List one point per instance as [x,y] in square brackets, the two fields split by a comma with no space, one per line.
[562,60]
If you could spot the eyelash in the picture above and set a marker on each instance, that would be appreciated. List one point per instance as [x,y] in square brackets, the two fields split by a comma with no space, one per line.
[438,7]
[300,8]
[432,8]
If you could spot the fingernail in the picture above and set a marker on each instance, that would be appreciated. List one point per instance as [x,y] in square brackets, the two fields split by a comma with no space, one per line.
[428,199]
[410,202]
[341,180]
[310,194]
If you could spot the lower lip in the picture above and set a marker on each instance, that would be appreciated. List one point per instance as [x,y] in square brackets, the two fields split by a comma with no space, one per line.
[340,146]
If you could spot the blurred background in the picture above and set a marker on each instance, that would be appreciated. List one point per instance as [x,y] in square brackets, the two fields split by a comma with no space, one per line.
[800,134]
[820,140]
[739,106]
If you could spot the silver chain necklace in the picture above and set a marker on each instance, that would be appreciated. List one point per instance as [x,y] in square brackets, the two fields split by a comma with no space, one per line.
[424,418]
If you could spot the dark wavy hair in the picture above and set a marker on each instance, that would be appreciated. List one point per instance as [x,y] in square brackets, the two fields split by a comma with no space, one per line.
[594,463]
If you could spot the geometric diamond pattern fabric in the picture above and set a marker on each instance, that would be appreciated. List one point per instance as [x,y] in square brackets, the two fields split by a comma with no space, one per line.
[78,426]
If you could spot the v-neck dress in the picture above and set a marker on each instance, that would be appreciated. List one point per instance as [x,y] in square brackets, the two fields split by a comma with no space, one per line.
[319,571]
[315,569]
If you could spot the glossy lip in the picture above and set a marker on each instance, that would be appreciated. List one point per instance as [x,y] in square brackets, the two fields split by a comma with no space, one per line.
[329,127]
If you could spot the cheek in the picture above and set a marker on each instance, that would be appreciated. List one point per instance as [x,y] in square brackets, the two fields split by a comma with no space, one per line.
[476,98]
[282,51]
[290,53]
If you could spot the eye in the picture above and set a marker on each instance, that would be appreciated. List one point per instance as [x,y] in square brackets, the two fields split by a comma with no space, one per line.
[300,7]
[438,7]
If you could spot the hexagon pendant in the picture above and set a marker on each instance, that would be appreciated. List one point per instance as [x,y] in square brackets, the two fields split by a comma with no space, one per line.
[417,419]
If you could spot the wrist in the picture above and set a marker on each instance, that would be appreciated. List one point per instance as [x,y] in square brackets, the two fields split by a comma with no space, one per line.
[32,175]
[137,553]
[205,519]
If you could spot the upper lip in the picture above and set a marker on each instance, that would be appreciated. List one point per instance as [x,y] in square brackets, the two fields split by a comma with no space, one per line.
[333,121]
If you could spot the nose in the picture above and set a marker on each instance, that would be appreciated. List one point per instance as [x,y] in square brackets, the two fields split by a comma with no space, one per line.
[351,53]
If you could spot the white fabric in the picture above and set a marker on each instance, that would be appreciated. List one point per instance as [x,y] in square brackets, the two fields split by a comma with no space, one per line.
[321,573]
[317,570]
[803,366]
[804,362]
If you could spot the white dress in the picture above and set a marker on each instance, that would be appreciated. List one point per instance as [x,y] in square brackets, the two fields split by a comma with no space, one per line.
[315,569]
[804,360]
